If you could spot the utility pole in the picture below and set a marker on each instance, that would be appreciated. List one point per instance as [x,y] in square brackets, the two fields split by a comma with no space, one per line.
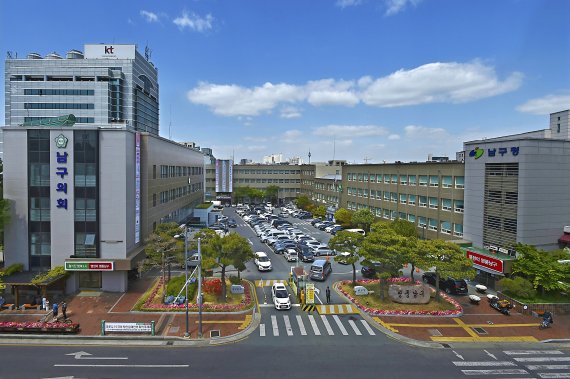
[187,334]
[199,290]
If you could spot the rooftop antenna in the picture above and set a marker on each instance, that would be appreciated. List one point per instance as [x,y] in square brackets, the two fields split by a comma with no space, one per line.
[309,156]
[170,123]
[147,52]
[366,159]
[334,148]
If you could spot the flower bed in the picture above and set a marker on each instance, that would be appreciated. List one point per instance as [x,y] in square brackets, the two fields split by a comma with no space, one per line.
[152,304]
[457,311]
[38,327]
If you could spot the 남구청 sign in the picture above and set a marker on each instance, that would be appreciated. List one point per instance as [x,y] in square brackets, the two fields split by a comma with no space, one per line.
[133,327]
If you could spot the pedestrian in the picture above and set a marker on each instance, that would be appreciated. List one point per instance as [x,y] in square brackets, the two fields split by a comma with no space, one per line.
[328,293]
[54,309]
[302,296]
[47,305]
[64,310]
[44,301]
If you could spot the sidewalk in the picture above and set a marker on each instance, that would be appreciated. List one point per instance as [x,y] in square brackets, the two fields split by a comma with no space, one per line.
[89,308]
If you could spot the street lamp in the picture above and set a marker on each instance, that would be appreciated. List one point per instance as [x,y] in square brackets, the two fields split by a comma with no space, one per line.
[186,334]
[199,293]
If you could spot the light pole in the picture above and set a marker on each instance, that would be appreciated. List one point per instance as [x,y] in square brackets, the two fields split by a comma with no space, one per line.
[199,291]
[187,334]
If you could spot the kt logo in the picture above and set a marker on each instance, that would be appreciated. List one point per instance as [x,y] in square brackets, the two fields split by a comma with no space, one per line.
[109,49]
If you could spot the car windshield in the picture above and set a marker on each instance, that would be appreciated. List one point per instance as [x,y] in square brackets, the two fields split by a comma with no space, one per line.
[282,294]
[263,259]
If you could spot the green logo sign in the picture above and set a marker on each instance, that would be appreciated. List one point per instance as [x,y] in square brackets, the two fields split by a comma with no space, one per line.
[70,266]
[61,141]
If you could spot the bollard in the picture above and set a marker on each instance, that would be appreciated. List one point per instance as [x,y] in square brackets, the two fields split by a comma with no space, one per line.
[102,327]
[152,328]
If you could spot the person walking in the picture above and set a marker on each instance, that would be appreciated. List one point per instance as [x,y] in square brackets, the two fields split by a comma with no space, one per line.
[64,310]
[328,293]
[54,309]
[44,303]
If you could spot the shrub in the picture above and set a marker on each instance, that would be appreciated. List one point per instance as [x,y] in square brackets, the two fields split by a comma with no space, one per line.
[518,287]
[13,268]
[175,284]
[213,286]
[235,280]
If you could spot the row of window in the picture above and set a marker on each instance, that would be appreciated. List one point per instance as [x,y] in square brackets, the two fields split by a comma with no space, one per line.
[241,180]
[508,225]
[59,92]
[268,172]
[59,106]
[176,171]
[78,120]
[446,181]
[404,198]
[443,226]
[499,197]
[175,193]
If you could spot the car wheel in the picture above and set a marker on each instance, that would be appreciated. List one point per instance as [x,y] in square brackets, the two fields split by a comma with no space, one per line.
[448,291]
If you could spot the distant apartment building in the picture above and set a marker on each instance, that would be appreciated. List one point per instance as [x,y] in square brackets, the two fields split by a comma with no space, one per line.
[273,159]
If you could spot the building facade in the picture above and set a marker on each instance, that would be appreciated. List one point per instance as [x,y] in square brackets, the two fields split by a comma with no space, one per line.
[86,198]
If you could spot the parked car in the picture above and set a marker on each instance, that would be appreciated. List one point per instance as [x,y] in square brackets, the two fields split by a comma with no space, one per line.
[342,257]
[262,261]
[369,269]
[336,229]
[305,254]
[449,285]
[193,260]
[280,295]
[232,223]
[323,250]
[290,255]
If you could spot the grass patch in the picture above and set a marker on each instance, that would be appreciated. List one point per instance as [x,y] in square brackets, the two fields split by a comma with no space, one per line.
[373,300]
[552,297]
[140,302]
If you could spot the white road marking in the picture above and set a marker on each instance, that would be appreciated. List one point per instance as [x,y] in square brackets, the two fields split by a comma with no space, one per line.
[513,371]
[548,367]
[301,325]
[314,325]
[262,330]
[458,355]
[491,355]
[130,366]
[353,325]
[483,363]
[543,359]
[554,375]
[275,326]
[340,326]
[368,328]
[327,325]
[533,352]
[288,325]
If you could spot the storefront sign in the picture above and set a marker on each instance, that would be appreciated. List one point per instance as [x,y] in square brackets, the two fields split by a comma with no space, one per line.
[489,263]
[478,152]
[89,266]
[61,171]
[134,327]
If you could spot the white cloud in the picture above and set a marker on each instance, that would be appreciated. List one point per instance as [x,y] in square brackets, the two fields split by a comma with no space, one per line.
[149,16]
[393,137]
[347,3]
[414,131]
[438,83]
[396,6]
[290,112]
[255,139]
[291,136]
[431,83]
[194,22]
[350,131]
[545,105]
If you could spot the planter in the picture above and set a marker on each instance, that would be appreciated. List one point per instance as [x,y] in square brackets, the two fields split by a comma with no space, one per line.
[38,327]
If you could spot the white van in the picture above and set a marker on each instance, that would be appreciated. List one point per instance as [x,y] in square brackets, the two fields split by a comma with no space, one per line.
[361,231]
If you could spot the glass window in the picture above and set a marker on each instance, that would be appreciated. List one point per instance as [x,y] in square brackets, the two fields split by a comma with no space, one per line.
[433,202]
[432,224]
[423,201]
[446,181]
[423,180]
[459,182]
[403,198]
[458,230]
[403,180]
[446,227]
[412,180]
[446,204]
[411,218]
[458,205]
[412,199]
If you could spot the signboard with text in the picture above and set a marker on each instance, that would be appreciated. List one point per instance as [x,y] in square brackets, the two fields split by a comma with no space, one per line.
[89,266]
[310,293]
[485,261]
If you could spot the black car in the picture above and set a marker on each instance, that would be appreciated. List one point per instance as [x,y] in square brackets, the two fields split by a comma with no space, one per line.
[305,216]
[449,285]
[325,224]
[232,223]
[336,229]
[370,269]
[305,254]
[315,220]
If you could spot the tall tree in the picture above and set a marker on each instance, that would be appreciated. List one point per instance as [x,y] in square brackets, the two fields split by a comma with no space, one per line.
[407,229]
[224,251]
[161,247]
[303,202]
[241,193]
[541,268]
[343,217]
[272,194]
[363,218]
[446,259]
[349,243]
[320,211]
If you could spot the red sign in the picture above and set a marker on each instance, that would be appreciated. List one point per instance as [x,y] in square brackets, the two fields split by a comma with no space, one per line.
[489,263]
[101,266]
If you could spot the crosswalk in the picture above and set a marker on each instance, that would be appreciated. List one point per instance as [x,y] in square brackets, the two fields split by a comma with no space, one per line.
[269,282]
[330,309]
[539,363]
[315,325]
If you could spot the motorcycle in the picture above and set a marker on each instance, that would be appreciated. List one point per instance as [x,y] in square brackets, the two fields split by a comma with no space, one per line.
[547,321]
[503,306]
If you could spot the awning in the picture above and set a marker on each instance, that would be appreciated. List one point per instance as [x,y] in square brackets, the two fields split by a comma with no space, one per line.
[564,239]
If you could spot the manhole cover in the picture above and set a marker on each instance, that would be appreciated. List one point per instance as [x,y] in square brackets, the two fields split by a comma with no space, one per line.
[174,329]
[214,333]
[434,332]
[480,330]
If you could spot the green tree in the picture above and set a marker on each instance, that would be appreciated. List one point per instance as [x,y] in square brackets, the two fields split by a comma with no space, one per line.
[518,286]
[222,252]
[303,202]
[350,243]
[272,194]
[256,194]
[407,229]
[446,259]
[241,193]
[162,248]
[343,217]
[320,211]
[363,218]
[389,249]
[541,268]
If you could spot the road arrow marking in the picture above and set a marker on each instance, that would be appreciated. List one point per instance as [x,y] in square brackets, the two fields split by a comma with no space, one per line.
[491,355]
[86,355]
[458,355]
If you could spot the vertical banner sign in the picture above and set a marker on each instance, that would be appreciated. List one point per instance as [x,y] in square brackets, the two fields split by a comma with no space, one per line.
[217,175]
[224,171]
[61,171]
[230,175]
[137,187]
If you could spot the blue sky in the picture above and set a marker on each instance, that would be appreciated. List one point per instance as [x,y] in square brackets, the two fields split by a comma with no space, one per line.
[381,80]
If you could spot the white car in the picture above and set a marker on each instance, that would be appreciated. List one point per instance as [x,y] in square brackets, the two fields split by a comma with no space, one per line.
[262,261]
[329,228]
[280,296]
[290,255]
